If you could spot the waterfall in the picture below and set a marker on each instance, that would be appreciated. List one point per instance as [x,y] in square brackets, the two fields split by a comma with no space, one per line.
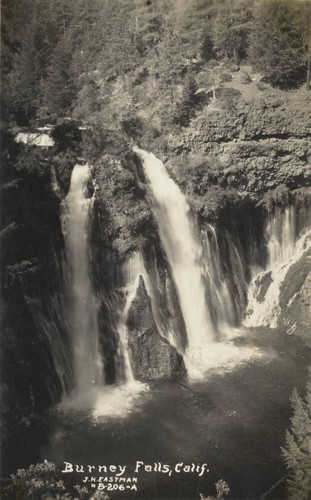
[54,182]
[183,249]
[225,294]
[131,271]
[280,235]
[287,238]
[80,302]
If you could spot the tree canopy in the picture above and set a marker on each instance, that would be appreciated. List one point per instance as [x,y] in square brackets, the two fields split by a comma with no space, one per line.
[113,59]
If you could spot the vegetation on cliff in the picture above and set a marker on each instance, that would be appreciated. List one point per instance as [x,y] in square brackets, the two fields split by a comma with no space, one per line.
[120,202]
[142,65]
[178,78]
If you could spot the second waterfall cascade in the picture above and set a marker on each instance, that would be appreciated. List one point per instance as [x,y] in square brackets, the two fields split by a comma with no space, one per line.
[80,302]
[183,250]
[187,252]
[288,237]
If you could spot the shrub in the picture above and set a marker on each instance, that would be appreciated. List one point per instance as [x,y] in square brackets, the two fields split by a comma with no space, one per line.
[66,135]
[245,78]
[222,490]
[40,482]
[133,126]
[228,98]
[276,197]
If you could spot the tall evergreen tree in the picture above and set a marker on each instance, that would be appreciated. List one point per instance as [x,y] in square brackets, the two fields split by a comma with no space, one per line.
[294,21]
[297,451]
[270,52]
[230,31]
[59,88]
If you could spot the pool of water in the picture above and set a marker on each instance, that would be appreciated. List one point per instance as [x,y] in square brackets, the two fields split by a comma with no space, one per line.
[233,420]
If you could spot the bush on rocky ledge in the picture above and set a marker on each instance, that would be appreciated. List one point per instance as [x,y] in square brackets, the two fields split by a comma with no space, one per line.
[120,202]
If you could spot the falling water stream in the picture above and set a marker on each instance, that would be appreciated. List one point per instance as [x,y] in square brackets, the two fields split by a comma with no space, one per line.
[80,304]
[132,269]
[196,271]
[183,250]
[287,238]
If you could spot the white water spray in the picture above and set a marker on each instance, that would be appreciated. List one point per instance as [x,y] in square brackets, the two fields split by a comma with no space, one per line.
[183,250]
[132,269]
[285,248]
[219,293]
[280,235]
[81,304]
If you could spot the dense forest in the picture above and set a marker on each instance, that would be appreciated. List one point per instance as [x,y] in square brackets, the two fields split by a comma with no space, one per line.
[143,66]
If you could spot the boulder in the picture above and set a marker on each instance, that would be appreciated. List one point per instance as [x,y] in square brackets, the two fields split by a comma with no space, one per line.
[152,356]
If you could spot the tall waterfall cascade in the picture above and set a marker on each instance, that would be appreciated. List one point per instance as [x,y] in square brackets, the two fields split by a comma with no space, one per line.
[288,236]
[204,297]
[80,304]
[183,250]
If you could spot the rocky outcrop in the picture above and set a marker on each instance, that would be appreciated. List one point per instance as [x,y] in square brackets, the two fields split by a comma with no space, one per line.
[35,347]
[295,298]
[259,140]
[152,356]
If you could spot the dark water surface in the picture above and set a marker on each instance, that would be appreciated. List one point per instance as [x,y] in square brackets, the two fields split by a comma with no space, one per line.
[235,422]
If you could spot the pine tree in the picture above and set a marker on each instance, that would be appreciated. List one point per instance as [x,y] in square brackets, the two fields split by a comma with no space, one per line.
[185,109]
[294,21]
[222,490]
[230,31]
[297,451]
[59,88]
[270,52]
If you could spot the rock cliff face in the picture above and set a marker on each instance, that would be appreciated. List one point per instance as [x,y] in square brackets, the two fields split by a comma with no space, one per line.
[152,356]
[260,137]
[34,374]
[295,298]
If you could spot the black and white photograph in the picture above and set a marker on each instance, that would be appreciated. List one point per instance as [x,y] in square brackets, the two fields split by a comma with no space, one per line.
[155,250]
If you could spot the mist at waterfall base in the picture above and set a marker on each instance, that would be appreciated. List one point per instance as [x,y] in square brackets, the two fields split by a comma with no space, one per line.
[81,308]
[185,255]
[233,412]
